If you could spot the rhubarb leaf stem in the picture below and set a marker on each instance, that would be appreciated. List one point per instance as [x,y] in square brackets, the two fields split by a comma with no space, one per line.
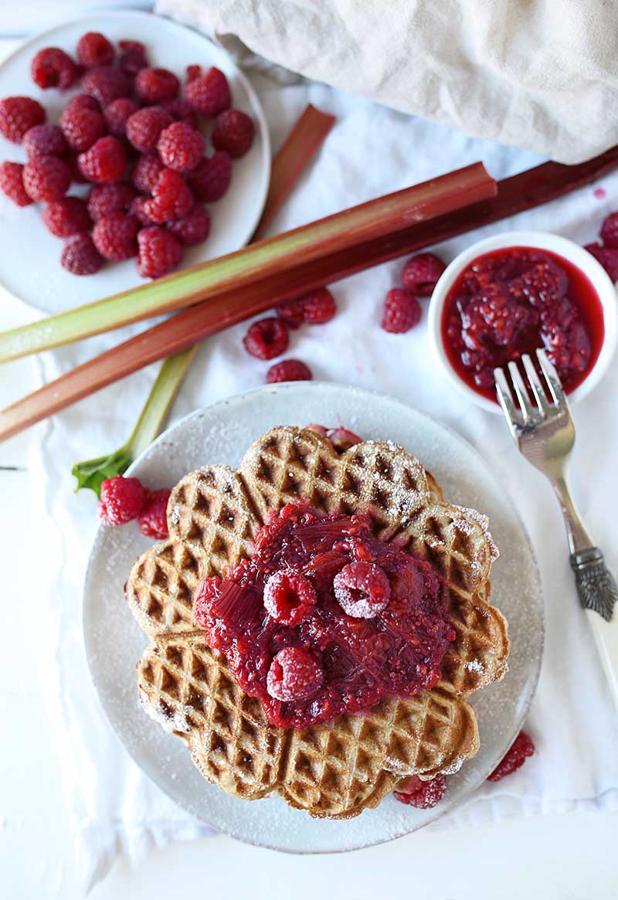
[159,402]
[92,472]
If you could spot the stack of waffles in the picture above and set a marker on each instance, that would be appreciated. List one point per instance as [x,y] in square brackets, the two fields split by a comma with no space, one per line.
[342,767]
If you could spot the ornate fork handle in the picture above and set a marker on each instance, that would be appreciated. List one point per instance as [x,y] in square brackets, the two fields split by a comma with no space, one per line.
[596,586]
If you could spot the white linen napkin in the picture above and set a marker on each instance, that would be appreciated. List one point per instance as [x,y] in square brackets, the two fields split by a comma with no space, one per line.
[370,151]
[540,74]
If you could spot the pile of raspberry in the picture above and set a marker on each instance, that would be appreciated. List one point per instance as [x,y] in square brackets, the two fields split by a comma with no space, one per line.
[270,337]
[133,134]
[419,276]
[124,499]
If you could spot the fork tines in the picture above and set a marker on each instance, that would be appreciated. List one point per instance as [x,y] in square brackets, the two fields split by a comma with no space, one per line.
[529,402]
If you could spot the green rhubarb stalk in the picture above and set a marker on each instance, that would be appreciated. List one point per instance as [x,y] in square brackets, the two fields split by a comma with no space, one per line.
[92,472]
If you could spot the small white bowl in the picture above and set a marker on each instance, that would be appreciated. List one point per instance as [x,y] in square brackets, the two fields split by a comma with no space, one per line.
[540,240]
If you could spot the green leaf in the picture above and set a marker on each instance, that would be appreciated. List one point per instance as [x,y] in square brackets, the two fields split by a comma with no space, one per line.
[92,472]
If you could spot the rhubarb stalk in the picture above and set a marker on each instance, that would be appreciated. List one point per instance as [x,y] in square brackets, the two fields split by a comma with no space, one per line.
[297,151]
[92,472]
[300,146]
[236,273]
[516,194]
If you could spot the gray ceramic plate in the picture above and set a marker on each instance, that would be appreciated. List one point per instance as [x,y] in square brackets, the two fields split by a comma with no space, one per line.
[220,434]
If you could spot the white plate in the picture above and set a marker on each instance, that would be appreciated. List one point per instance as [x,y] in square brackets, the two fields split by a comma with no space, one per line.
[30,259]
[220,434]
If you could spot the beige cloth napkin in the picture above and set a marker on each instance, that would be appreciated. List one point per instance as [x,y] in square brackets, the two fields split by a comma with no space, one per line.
[538,74]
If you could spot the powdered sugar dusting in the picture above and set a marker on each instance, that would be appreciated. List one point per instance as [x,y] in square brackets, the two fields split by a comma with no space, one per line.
[482,521]
[475,665]
[454,767]
[169,721]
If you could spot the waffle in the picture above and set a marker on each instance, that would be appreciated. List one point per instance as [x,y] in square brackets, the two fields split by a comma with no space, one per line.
[340,768]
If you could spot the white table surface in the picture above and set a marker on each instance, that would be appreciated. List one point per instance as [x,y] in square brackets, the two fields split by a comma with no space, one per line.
[570,856]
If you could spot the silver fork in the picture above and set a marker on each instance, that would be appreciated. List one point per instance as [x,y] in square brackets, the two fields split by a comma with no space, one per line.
[543,430]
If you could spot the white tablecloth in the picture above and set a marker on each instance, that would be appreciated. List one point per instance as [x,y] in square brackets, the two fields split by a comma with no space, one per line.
[115,809]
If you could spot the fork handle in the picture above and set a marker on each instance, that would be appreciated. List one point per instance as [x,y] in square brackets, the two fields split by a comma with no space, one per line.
[596,587]
[598,593]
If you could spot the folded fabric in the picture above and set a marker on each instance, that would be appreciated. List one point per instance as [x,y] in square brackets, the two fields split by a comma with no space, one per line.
[539,75]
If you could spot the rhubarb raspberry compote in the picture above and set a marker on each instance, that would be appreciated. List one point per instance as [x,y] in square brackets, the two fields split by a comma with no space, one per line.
[326,619]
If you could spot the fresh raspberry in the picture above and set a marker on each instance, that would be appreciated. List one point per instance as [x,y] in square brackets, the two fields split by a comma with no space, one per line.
[180,111]
[115,236]
[194,228]
[233,132]
[12,183]
[105,199]
[180,147]
[288,370]
[84,101]
[156,85]
[292,313]
[171,198]
[53,68]
[105,161]
[82,127]
[132,57]
[192,72]
[138,210]
[318,306]
[117,114]
[266,338]
[122,500]
[80,256]
[106,83]
[421,273]
[66,217]
[519,751]
[211,178]
[289,597]
[159,252]
[18,115]
[44,140]
[294,674]
[402,311]
[362,589]
[146,172]
[152,520]
[421,794]
[607,256]
[93,49]
[46,178]
[342,439]
[145,126]
[609,231]
[207,94]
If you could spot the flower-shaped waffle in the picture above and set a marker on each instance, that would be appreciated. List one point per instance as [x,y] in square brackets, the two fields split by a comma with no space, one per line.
[339,768]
